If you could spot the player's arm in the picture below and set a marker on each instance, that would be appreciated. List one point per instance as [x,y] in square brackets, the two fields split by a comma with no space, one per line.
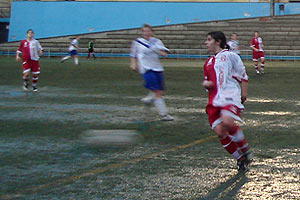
[163,53]
[133,56]
[262,45]
[207,84]
[244,90]
[239,73]
[252,46]
[18,55]
[18,52]
[40,49]
[133,64]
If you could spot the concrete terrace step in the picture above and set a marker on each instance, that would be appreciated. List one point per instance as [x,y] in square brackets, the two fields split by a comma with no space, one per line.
[280,36]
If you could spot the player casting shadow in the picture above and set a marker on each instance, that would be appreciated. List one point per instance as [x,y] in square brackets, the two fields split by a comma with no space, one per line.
[228,189]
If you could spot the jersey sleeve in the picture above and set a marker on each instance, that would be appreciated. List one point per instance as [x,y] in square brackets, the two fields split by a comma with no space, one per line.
[229,43]
[239,70]
[159,46]
[19,50]
[74,43]
[205,72]
[252,44]
[133,49]
[40,48]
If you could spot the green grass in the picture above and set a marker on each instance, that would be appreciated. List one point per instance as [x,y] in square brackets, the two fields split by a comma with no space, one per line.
[43,155]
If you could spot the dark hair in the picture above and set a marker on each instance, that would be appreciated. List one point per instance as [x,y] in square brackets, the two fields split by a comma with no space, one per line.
[147,26]
[29,30]
[220,37]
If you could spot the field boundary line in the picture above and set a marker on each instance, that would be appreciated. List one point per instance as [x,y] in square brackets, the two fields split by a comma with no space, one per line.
[103,169]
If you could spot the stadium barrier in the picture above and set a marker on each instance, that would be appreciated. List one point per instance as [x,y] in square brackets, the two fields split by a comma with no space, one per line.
[288,55]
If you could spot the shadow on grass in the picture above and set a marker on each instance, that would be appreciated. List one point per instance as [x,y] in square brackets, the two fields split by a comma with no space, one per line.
[228,189]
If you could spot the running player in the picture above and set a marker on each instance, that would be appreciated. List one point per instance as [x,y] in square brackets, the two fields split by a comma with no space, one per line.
[226,80]
[257,46]
[31,51]
[73,51]
[145,51]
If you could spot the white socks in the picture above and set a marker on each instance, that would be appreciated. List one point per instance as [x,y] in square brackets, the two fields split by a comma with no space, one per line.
[76,61]
[65,58]
[161,106]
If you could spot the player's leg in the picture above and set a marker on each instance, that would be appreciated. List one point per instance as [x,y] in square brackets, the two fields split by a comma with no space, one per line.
[35,70]
[229,115]
[255,61]
[26,73]
[35,78]
[262,63]
[229,145]
[26,81]
[154,81]
[161,107]
[65,58]
[237,135]
[76,60]
[149,98]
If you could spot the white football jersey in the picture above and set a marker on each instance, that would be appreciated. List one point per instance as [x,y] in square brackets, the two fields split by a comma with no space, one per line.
[233,45]
[226,70]
[72,47]
[147,54]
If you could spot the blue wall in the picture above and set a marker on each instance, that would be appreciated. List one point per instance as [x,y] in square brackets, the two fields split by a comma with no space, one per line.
[50,19]
[289,8]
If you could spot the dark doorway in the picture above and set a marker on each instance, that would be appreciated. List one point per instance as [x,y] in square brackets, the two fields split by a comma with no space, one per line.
[3,32]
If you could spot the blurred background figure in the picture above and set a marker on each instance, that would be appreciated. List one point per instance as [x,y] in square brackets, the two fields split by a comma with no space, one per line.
[91,49]
[73,51]
[146,51]
[234,44]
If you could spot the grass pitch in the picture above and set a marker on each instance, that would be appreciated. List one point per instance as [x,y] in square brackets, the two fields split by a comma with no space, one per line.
[44,153]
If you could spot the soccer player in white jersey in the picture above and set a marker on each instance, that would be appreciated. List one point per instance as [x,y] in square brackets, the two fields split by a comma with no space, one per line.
[73,51]
[233,44]
[145,52]
[226,81]
[31,51]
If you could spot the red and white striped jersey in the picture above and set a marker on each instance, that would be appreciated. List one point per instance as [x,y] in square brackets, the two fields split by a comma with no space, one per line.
[226,70]
[30,49]
[256,43]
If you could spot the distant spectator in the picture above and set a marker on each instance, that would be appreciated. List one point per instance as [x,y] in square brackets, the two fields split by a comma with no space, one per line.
[31,51]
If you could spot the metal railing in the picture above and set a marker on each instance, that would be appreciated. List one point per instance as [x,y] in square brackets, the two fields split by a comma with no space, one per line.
[291,55]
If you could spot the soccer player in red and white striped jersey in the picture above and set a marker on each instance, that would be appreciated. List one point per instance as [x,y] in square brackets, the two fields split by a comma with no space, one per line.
[31,51]
[257,46]
[226,81]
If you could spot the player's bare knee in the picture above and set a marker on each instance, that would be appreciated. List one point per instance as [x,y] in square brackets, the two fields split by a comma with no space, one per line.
[219,130]
[25,75]
[158,93]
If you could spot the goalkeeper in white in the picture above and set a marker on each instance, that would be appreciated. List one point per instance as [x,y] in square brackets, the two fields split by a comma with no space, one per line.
[144,53]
